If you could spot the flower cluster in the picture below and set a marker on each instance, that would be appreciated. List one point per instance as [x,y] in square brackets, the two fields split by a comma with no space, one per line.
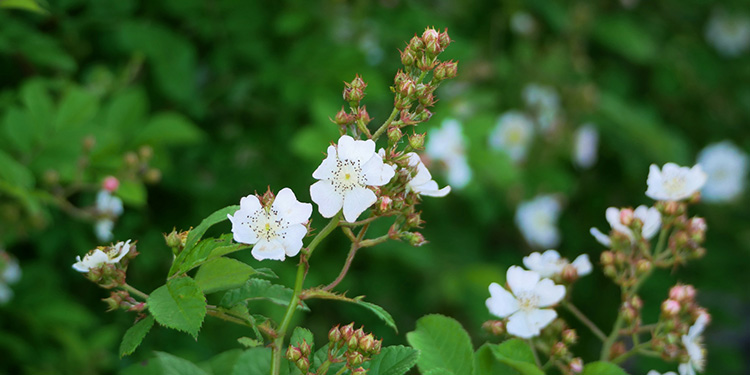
[346,346]
[106,265]
[108,209]
[678,334]
[726,166]
[537,220]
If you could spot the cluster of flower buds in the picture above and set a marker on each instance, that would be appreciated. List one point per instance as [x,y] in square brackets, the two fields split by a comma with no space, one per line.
[357,116]
[625,267]
[121,299]
[494,327]
[138,166]
[300,356]
[631,311]
[678,313]
[687,237]
[176,240]
[107,265]
[355,347]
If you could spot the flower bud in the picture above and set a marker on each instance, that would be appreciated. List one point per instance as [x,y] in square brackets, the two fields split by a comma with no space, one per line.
[558,350]
[430,35]
[446,70]
[366,343]
[293,354]
[363,116]
[626,216]
[354,359]
[303,364]
[384,203]
[670,308]
[146,152]
[427,100]
[433,48]
[444,39]
[416,141]
[643,266]
[607,258]
[352,343]
[347,331]
[408,57]
[636,302]
[407,88]
[610,271]
[110,183]
[358,83]
[569,336]
[304,348]
[617,349]
[113,301]
[152,176]
[569,273]
[415,239]
[334,335]
[342,118]
[376,346]
[359,333]
[394,134]
[576,365]
[416,44]
[131,159]
[425,63]
[413,220]
[359,371]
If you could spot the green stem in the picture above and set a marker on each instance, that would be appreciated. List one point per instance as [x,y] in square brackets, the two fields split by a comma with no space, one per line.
[345,269]
[278,342]
[323,234]
[660,243]
[607,347]
[385,125]
[135,291]
[578,314]
[343,369]
[637,349]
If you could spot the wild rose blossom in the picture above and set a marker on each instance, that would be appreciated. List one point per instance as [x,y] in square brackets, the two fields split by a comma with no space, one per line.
[447,144]
[512,135]
[537,220]
[545,102]
[674,183]
[524,305]
[728,33]
[586,146]
[277,230]
[726,166]
[650,217]
[101,256]
[108,208]
[693,343]
[421,182]
[549,263]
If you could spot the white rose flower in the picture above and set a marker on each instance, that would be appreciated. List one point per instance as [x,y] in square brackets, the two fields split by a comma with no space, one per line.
[513,134]
[550,263]
[728,33]
[344,176]
[108,207]
[537,220]
[277,230]
[447,144]
[654,372]
[586,146]
[6,294]
[674,183]
[12,272]
[422,182]
[649,216]
[693,343]
[96,258]
[522,23]
[726,167]
[524,304]
[544,102]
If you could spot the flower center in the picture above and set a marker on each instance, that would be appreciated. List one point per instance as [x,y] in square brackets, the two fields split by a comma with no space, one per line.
[268,225]
[527,301]
[674,185]
[515,136]
[347,176]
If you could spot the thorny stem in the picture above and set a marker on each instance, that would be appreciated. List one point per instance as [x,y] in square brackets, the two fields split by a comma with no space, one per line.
[578,314]
[278,341]
[394,112]
[356,244]
[216,312]
[536,355]
[135,291]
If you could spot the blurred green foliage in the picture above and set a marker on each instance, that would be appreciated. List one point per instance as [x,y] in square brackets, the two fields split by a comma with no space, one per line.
[235,96]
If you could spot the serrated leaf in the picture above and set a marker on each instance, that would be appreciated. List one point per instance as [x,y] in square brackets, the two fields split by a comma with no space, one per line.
[248,342]
[206,250]
[255,289]
[179,304]
[222,274]
[215,218]
[603,368]
[393,360]
[169,129]
[517,354]
[486,363]
[443,344]
[29,5]
[191,257]
[134,335]
[172,365]
[76,109]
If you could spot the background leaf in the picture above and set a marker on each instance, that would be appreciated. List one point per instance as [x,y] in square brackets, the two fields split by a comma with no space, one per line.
[221,274]
[135,335]
[443,344]
[179,304]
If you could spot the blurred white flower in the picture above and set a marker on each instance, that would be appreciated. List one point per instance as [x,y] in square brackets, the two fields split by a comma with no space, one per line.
[649,216]
[513,134]
[447,144]
[537,220]
[586,146]
[544,103]
[549,263]
[674,183]
[726,167]
[693,343]
[522,23]
[728,33]
[524,304]
[344,176]
[97,257]
[421,182]
[108,208]
[276,231]
[10,273]
[654,372]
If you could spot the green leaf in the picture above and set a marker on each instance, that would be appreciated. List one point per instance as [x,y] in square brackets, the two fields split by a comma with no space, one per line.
[602,368]
[169,129]
[134,335]
[256,361]
[222,363]
[320,356]
[179,305]
[379,311]
[255,289]
[19,130]
[14,172]
[627,37]
[222,274]
[132,193]
[172,365]
[302,334]
[29,5]
[439,371]
[215,218]
[393,360]
[41,108]
[77,108]
[442,343]
[205,250]
[517,354]
[191,256]
[126,109]
[248,342]
[486,363]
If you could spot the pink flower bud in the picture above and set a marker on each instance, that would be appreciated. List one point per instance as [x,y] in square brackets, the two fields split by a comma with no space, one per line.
[110,184]
[670,307]
[384,204]
[576,365]
[430,35]
[626,216]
